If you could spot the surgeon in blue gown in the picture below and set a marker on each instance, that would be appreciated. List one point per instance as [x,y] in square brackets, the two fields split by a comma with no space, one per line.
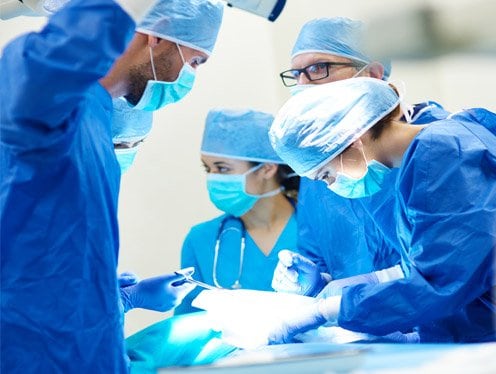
[248,182]
[337,235]
[444,208]
[60,178]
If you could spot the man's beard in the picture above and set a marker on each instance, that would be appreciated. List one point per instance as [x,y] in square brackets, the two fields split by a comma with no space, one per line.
[140,75]
[137,82]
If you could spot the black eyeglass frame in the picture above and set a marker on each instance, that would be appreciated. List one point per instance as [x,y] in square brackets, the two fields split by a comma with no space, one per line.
[307,74]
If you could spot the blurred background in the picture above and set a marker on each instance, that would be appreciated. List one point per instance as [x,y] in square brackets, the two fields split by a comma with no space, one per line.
[443,50]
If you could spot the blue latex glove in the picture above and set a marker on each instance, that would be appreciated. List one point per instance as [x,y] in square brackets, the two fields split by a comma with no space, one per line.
[160,293]
[303,320]
[127,279]
[336,287]
[297,274]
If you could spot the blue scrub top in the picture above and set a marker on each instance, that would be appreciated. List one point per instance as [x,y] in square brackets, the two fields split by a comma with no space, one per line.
[445,209]
[58,195]
[339,234]
[258,268]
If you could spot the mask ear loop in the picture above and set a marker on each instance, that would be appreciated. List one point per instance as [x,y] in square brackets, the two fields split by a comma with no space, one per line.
[364,158]
[153,65]
[406,109]
[357,74]
[181,54]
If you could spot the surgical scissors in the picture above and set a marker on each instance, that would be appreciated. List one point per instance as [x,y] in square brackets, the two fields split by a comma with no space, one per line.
[187,278]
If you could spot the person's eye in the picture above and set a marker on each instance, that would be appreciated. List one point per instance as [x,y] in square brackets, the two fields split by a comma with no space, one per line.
[197,61]
[323,176]
[223,169]
[317,68]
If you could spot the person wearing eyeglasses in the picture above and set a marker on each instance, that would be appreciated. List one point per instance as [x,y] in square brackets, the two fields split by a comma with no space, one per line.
[256,191]
[339,238]
[350,135]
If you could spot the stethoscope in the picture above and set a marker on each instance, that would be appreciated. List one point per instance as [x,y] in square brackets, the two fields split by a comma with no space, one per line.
[222,230]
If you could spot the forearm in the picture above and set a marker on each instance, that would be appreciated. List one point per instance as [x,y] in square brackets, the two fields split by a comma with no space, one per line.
[45,74]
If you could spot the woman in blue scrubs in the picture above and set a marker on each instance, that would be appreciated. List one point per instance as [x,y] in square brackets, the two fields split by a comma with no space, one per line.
[348,134]
[248,182]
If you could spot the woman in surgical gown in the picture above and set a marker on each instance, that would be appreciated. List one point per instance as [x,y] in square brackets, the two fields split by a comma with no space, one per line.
[249,183]
[349,135]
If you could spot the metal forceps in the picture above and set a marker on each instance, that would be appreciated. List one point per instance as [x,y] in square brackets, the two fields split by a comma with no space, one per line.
[188,272]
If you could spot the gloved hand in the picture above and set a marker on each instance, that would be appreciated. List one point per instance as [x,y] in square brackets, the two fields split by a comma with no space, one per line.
[160,293]
[335,287]
[323,311]
[127,279]
[297,274]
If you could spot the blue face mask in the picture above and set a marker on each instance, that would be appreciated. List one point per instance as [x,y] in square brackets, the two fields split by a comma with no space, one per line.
[228,192]
[369,184]
[157,94]
[294,90]
[125,157]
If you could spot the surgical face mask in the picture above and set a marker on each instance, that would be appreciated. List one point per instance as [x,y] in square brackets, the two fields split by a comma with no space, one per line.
[157,94]
[228,192]
[369,184]
[294,90]
[125,157]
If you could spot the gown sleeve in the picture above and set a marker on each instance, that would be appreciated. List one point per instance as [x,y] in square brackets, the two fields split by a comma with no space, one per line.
[446,214]
[46,74]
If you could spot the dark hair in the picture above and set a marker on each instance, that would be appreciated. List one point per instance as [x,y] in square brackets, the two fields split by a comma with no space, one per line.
[287,178]
[377,130]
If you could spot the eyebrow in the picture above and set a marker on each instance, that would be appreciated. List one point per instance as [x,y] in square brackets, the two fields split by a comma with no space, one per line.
[216,163]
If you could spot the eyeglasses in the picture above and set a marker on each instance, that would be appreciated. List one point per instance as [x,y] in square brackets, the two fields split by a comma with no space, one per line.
[313,72]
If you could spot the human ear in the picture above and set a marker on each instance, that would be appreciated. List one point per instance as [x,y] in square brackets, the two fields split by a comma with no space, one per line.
[269,170]
[153,41]
[357,144]
[376,70]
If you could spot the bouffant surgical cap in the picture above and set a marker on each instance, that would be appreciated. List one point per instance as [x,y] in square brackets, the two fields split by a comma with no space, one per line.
[337,36]
[318,124]
[192,23]
[129,125]
[239,134]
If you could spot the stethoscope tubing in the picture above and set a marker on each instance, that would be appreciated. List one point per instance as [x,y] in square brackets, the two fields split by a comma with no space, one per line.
[242,246]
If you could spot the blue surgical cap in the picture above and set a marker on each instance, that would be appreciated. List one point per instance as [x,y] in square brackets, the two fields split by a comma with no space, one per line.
[318,124]
[239,134]
[337,36]
[128,124]
[192,23]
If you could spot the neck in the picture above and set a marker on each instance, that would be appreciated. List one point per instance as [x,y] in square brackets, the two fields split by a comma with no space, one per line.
[115,82]
[268,212]
[393,143]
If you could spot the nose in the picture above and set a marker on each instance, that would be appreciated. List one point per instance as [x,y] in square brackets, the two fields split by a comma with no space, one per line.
[302,79]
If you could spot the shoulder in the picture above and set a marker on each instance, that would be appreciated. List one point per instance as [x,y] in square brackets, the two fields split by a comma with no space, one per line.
[443,135]
[211,225]
[427,112]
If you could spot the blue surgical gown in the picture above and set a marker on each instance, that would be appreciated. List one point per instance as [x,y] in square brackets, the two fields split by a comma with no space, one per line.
[257,269]
[58,195]
[445,209]
[339,234]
